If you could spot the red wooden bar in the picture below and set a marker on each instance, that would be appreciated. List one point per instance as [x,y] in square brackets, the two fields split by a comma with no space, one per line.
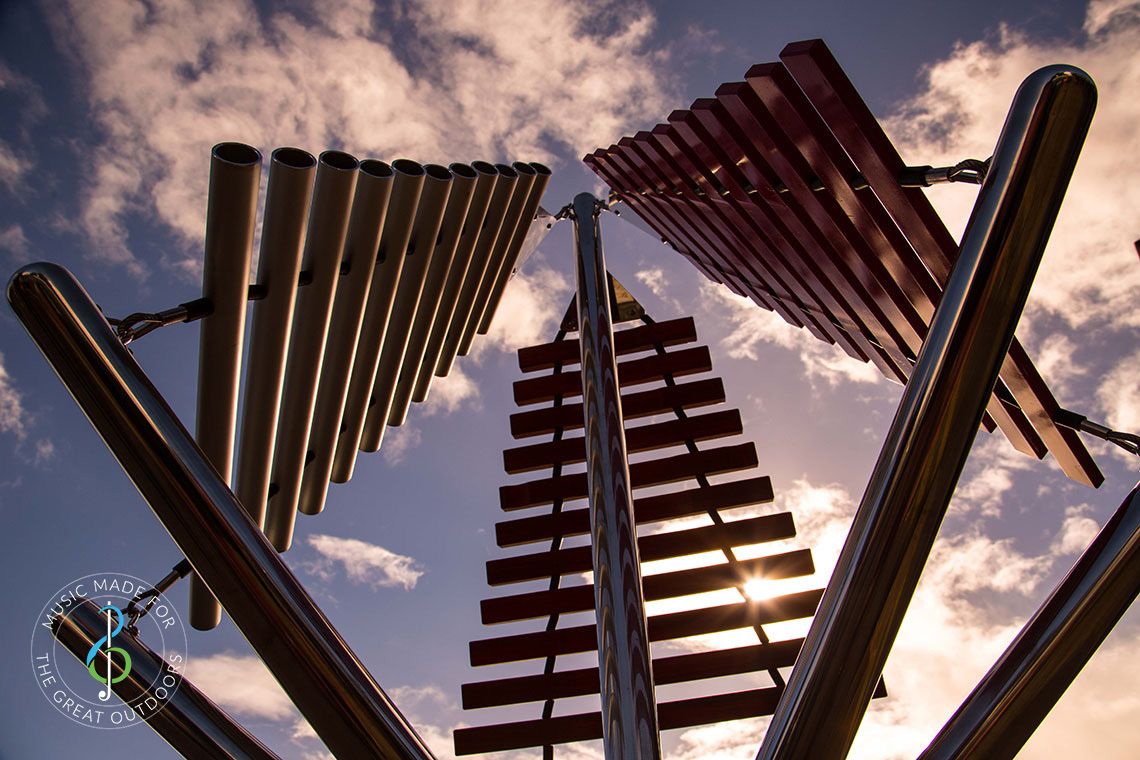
[671,332]
[641,475]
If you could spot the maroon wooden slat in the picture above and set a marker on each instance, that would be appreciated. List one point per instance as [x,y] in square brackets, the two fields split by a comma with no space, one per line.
[804,129]
[702,241]
[739,249]
[647,509]
[704,427]
[616,164]
[717,131]
[688,361]
[655,472]
[754,530]
[675,625]
[583,727]
[725,195]
[835,98]
[666,670]
[697,580]
[671,332]
[633,406]
[738,103]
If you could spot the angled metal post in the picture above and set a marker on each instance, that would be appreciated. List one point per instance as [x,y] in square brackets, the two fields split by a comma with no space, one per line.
[186,719]
[313,664]
[1009,703]
[629,711]
[938,417]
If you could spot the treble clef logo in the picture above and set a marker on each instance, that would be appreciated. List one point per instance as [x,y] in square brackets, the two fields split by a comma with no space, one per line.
[93,659]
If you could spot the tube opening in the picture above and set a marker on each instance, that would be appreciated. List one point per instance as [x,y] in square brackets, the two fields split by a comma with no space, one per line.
[236,153]
[542,169]
[522,168]
[374,168]
[463,170]
[336,159]
[294,158]
[484,167]
[506,171]
[407,166]
[435,171]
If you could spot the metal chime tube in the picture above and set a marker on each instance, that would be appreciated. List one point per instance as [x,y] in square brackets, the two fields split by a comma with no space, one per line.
[406,191]
[1008,705]
[231,210]
[938,417]
[279,265]
[629,710]
[458,204]
[188,720]
[324,679]
[420,252]
[508,185]
[369,210]
[510,259]
[464,255]
[337,174]
[528,177]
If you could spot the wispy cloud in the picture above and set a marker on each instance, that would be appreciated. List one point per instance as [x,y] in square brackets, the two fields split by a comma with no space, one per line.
[753,327]
[1089,275]
[398,441]
[530,310]
[451,393]
[438,81]
[12,238]
[14,417]
[240,683]
[363,563]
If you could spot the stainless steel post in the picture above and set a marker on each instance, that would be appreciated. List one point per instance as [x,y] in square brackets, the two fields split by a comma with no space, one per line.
[629,710]
[313,664]
[185,718]
[938,416]
[1008,705]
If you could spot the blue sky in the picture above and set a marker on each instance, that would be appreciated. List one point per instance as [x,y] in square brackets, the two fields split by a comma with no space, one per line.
[110,111]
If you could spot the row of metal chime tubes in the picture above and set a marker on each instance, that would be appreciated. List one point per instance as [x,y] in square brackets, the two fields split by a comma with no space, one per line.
[371,279]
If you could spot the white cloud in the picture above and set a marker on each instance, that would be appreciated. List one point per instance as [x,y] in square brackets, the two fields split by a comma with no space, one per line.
[451,393]
[14,166]
[13,417]
[12,238]
[1089,275]
[439,82]
[753,327]
[530,311]
[363,563]
[240,683]
[1077,531]
[1119,395]
[45,452]
[989,476]
[1056,359]
[398,441]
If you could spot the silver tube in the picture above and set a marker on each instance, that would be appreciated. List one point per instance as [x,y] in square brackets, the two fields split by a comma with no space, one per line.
[514,249]
[505,189]
[324,246]
[406,191]
[417,262]
[187,720]
[528,177]
[472,225]
[1010,702]
[369,209]
[458,204]
[235,172]
[326,681]
[279,265]
[629,711]
[937,419]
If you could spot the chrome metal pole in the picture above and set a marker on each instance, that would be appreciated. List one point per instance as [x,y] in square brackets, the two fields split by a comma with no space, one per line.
[629,710]
[1008,705]
[938,416]
[313,664]
[184,717]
